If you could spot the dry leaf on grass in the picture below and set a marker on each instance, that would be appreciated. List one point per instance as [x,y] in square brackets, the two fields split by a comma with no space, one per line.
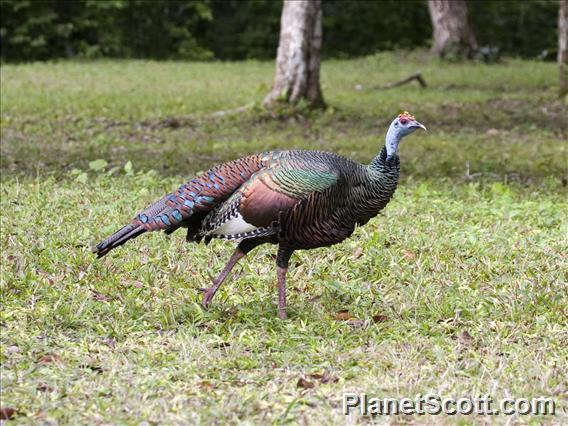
[100,297]
[356,323]
[42,387]
[324,377]
[380,318]
[303,383]
[49,359]
[205,385]
[7,413]
[358,253]
[464,338]
[40,414]
[343,315]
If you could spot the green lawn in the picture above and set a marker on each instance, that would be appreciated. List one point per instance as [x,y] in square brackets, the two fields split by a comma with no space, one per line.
[459,288]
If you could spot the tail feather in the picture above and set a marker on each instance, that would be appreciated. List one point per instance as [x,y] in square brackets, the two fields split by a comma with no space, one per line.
[137,227]
[117,239]
[189,204]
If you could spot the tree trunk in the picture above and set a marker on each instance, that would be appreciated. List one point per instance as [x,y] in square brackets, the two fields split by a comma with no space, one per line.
[563,46]
[298,58]
[452,33]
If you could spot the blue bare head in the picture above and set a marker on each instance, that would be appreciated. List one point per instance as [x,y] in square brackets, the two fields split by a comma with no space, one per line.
[403,125]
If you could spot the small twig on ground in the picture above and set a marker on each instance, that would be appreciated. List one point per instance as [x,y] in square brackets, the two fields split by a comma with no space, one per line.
[416,76]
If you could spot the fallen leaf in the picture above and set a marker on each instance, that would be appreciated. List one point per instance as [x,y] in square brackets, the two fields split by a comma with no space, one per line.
[46,275]
[206,385]
[7,413]
[48,359]
[380,318]
[303,383]
[465,338]
[42,387]
[100,297]
[343,316]
[356,323]
[408,254]
[12,349]
[358,253]
[324,377]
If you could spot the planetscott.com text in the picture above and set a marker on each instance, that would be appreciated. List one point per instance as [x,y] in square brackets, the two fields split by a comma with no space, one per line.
[434,404]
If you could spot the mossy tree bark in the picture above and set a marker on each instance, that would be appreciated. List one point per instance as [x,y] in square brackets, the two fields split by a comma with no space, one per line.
[453,37]
[563,47]
[298,59]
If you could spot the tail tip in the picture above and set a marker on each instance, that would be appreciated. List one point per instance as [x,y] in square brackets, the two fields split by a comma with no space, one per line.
[100,250]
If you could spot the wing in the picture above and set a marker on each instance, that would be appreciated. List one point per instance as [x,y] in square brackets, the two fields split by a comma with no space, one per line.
[194,199]
[256,207]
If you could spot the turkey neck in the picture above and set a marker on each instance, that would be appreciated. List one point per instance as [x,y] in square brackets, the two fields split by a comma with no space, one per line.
[377,186]
[381,179]
[384,169]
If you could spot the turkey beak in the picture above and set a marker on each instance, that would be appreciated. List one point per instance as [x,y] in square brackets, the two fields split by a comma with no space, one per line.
[419,125]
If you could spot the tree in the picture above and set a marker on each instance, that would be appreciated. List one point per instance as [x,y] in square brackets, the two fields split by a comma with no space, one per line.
[452,33]
[563,46]
[298,57]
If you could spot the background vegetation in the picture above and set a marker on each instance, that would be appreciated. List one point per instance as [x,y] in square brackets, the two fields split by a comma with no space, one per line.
[230,30]
[459,287]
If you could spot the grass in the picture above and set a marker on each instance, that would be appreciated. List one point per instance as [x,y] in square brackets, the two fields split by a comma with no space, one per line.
[458,287]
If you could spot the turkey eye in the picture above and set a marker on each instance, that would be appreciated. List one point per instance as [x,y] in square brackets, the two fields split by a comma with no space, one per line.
[403,121]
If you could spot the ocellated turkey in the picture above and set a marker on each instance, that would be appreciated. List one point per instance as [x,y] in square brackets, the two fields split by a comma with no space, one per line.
[296,199]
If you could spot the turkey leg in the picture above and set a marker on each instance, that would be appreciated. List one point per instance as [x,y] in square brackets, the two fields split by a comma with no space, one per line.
[282,259]
[242,249]
[238,254]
